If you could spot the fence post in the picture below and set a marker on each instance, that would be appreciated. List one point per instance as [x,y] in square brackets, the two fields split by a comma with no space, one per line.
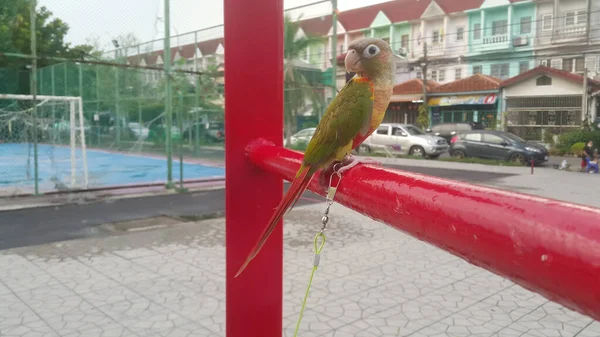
[34,93]
[254,101]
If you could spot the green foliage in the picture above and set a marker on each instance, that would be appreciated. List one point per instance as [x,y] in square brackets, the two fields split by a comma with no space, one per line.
[423,117]
[567,140]
[577,148]
[298,88]
[15,33]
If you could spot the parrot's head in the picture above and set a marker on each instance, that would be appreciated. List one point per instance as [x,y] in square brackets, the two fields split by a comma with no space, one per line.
[371,57]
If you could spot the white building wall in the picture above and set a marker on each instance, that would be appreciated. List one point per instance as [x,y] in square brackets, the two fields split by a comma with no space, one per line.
[456,47]
[559,87]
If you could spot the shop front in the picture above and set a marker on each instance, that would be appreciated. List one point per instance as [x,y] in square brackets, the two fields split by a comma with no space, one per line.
[470,109]
[473,99]
[405,102]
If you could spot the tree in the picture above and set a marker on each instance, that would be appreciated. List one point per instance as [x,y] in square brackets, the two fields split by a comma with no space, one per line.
[297,88]
[15,33]
[423,117]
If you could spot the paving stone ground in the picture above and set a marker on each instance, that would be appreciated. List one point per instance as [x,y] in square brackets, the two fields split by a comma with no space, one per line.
[373,281]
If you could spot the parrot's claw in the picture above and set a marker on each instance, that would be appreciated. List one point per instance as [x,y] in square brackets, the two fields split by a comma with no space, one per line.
[343,166]
[350,161]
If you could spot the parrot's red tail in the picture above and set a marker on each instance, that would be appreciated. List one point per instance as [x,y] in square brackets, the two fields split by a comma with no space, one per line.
[299,184]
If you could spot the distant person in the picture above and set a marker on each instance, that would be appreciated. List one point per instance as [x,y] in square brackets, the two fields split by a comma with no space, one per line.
[586,155]
[590,158]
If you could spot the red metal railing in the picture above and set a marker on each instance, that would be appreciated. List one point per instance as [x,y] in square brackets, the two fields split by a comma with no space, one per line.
[547,246]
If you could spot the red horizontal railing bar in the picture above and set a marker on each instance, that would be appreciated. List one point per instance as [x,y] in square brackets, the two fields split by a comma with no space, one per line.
[547,246]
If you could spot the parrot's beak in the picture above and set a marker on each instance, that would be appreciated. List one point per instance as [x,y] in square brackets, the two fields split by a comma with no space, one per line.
[353,62]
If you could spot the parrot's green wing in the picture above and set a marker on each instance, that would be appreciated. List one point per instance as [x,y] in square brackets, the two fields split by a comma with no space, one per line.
[348,114]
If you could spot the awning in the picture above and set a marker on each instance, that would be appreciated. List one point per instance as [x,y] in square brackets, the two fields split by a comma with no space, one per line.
[463,100]
[405,98]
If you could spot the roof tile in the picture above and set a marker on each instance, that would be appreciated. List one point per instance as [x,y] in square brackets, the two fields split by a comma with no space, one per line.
[477,82]
[543,70]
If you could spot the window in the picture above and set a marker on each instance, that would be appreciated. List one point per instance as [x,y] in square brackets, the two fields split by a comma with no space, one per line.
[413,130]
[499,27]
[570,19]
[473,137]
[477,31]
[436,36]
[396,131]
[476,70]
[434,75]
[404,41]
[500,70]
[544,80]
[493,139]
[382,130]
[441,75]
[419,74]
[526,25]
[567,65]
[576,18]
[460,33]
[580,64]
[457,74]
[547,21]
[342,48]
[582,17]
[523,67]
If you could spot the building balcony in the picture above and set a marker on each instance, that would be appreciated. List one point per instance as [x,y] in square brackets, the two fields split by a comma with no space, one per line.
[433,50]
[569,34]
[490,43]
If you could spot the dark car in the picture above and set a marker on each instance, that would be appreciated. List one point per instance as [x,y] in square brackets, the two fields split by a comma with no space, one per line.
[449,130]
[498,145]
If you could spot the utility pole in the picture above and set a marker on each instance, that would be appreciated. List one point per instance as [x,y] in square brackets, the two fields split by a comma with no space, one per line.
[589,17]
[334,48]
[584,107]
[424,70]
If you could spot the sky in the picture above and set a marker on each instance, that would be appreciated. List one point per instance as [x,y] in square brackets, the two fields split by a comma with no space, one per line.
[98,22]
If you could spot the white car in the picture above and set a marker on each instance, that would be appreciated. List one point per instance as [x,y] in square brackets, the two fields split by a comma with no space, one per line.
[303,135]
[404,139]
[138,130]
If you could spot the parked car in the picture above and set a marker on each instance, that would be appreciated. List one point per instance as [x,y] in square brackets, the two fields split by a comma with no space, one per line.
[138,130]
[303,136]
[449,130]
[215,131]
[498,145]
[210,132]
[404,139]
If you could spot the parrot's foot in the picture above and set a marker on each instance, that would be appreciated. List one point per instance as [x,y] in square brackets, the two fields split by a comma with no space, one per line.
[343,166]
[350,161]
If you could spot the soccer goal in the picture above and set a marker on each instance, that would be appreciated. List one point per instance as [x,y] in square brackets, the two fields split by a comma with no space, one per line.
[60,129]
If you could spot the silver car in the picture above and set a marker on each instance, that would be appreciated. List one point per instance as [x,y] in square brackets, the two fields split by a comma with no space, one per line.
[404,139]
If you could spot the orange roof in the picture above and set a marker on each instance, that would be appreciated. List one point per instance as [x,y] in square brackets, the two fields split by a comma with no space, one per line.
[188,51]
[454,6]
[316,26]
[209,47]
[414,86]
[477,82]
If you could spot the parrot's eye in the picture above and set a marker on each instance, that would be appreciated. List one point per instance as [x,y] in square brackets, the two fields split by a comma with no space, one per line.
[371,51]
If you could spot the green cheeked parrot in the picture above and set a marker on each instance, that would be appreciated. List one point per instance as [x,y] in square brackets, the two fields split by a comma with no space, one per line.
[351,117]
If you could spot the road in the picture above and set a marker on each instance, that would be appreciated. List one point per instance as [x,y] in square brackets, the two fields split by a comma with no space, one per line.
[42,225]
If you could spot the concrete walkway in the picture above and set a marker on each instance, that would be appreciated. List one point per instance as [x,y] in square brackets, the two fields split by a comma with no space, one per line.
[373,281]
[574,187]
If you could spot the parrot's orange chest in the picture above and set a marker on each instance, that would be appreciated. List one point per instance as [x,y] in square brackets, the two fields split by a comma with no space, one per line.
[381,95]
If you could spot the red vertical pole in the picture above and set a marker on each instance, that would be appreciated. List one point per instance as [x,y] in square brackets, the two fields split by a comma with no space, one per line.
[254,109]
